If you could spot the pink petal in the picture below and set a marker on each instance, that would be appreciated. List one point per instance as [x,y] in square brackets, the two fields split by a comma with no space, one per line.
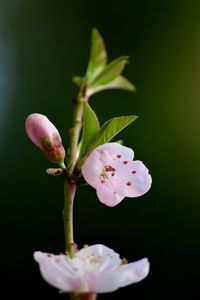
[92,168]
[132,178]
[38,126]
[108,195]
[115,150]
[102,156]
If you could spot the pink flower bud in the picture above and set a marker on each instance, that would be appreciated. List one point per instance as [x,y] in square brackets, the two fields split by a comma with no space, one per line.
[45,135]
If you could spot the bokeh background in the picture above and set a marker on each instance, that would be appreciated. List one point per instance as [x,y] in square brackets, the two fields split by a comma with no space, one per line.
[42,45]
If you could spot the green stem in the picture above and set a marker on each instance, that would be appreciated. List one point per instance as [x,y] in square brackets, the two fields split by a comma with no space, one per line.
[70,187]
[69,192]
[62,165]
[75,132]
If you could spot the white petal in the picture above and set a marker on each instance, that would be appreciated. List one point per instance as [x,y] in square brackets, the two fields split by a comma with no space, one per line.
[98,261]
[99,255]
[122,276]
[93,269]
[133,272]
[55,272]
[132,177]
[107,194]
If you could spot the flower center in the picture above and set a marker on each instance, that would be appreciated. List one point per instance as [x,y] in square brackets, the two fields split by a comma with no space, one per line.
[105,173]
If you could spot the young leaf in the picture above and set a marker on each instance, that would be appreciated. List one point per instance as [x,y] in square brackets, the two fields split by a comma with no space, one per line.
[111,71]
[90,128]
[98,56]
[109,130]
[78,80]
[118,83]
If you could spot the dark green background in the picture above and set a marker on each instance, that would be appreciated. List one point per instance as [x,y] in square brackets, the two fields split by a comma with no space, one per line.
[42,45]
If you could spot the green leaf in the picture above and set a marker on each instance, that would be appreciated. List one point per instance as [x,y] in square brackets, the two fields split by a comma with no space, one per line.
[90,128]
[121,142]
[78,80]
[98,56]
[109,130]
[111,71]
[118,83]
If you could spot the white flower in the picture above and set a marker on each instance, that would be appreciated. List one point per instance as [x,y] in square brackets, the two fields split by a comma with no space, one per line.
[96,269]
[110,169]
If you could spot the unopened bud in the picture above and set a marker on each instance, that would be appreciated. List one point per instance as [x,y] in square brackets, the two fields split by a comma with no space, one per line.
[45,135]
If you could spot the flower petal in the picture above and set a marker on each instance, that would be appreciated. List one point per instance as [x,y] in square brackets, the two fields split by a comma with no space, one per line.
[95,269]
[92,168]
[107,194]
[97,261]
[102,156]
[132,272]
[122,276]
[57,272]
[132,177]
[97,257]
[116,151]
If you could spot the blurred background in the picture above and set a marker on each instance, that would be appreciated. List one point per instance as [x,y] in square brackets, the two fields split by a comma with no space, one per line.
[42,45]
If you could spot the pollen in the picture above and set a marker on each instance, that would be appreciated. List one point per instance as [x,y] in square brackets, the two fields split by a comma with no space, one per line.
[124,261]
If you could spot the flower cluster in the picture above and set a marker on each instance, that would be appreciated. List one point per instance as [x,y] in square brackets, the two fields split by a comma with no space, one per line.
[111,170]
[107,166]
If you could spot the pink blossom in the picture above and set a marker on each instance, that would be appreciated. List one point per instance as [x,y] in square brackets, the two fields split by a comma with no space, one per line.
[110,169]
[94,269]
[45,135]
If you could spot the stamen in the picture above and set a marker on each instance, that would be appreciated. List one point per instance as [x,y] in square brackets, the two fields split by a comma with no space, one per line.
[133,172]
[128,183]
[125,162]
[108,168]
[119,156]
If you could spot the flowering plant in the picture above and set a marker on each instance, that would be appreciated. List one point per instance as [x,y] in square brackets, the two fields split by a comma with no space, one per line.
[107,166]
